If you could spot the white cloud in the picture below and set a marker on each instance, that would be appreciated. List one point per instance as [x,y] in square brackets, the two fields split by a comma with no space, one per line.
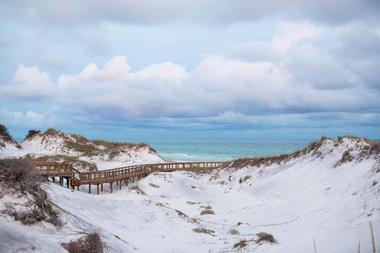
[298,120]
[29,118]
[304,77]
[292,34]
[28,82]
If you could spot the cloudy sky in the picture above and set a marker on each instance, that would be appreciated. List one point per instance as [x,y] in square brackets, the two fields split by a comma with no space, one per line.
[189,69]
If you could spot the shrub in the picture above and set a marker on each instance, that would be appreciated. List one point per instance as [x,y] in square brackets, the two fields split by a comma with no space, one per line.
[346,157]
[207,211]
[32,133]
[88,244]
[242,180]
[4,131]
[21,177]
[27,217]
[241,244]
[5,136]
[204,231]
[265,237]
[233,232]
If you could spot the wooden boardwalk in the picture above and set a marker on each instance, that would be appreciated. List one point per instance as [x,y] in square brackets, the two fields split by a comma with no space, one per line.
[74,178]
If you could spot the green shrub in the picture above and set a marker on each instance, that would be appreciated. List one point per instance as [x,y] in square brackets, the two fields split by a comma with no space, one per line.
[32,133]
[233,232]
[204,231]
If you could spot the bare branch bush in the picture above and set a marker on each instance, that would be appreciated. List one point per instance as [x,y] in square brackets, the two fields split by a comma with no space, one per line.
[20,177]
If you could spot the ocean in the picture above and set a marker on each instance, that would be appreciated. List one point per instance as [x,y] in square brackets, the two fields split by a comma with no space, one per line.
[223,150]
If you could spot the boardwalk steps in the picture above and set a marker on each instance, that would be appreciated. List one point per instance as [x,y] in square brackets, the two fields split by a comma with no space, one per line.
[74,178]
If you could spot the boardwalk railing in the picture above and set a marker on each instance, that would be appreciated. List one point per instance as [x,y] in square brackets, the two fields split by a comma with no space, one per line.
[53,168]
[123,174]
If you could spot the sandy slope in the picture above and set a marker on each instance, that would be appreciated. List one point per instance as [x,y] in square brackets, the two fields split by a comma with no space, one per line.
[58,146]
[308,198]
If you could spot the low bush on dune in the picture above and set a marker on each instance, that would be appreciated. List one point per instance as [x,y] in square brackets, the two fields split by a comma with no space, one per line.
[233,232]
[265,237]
[6,137]
[241,244]
[262,237]
[19,180]
[19,175]
[207,210]
[204,231]
[90,243]
[32,133]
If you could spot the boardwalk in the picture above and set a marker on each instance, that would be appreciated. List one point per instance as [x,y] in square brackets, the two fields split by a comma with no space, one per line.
[74,178]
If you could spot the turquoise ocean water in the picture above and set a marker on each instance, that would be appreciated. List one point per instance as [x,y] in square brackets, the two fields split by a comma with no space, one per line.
[223,150]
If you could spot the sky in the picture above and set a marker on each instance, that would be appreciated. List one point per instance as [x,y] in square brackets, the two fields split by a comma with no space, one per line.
[181,69]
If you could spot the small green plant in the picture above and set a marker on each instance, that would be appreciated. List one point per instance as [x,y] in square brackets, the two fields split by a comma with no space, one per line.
[28,217]
[204,231]
[233,232]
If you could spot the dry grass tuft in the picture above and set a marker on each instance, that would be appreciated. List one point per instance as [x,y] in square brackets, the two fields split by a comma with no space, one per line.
[207,212]
[346,157]
[137,190]
[154,185]
[88,244]
[241,244]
